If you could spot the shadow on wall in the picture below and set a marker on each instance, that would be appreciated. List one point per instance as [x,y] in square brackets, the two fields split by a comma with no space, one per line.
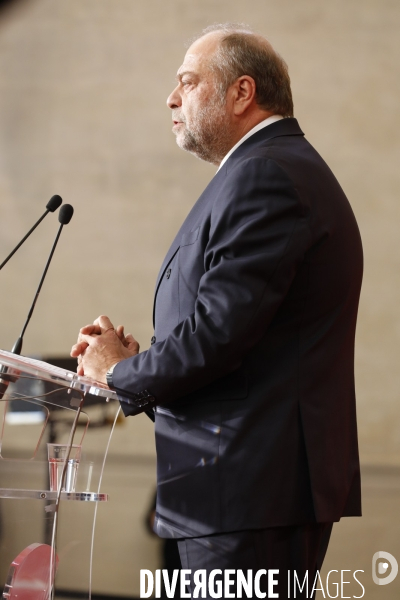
[7,3]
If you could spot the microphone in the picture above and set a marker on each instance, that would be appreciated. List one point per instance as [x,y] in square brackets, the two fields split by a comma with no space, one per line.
[51,206]
[64,217]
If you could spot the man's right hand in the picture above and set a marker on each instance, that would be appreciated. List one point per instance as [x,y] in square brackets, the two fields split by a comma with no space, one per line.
[100,346]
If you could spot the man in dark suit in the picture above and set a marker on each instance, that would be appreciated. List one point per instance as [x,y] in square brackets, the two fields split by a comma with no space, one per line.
[250,377]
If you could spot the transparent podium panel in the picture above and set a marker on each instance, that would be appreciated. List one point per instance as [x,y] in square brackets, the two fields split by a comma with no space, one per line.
[51,472]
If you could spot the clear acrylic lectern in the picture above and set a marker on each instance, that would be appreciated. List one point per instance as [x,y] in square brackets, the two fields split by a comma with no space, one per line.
[47,487]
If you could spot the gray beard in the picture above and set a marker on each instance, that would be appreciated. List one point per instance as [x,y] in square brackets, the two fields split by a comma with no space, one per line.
[209,138]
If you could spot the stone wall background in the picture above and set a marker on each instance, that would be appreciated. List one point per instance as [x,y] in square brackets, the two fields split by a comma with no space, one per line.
[83,85]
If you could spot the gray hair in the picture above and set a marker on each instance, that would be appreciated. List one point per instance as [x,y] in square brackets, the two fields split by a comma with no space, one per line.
[243,52]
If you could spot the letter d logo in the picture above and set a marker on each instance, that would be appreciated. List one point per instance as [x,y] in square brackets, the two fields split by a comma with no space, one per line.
[383,567]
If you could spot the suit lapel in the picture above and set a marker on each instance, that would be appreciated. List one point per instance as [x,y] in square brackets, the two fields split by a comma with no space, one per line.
[190,221]
[287,126]
[170,255]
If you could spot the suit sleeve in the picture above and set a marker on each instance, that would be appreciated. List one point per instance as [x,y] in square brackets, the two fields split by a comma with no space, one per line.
[258,236]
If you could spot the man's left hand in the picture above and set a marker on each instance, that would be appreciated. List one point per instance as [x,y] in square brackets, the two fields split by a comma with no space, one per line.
[100,346]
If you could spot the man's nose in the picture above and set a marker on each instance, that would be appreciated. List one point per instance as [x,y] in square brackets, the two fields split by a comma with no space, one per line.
[174,99]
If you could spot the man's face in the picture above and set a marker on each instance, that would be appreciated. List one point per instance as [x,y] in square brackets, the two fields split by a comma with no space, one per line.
[201,120]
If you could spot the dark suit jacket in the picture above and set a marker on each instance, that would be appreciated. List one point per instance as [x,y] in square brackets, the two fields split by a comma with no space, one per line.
[252,371]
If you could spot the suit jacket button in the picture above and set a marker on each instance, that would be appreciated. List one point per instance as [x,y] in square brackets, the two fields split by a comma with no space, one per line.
[168,273]
[153,340]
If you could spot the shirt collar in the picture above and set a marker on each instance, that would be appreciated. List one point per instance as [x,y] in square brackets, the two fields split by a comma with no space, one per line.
[259,126]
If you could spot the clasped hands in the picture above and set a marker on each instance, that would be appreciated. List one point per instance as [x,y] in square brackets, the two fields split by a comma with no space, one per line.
[100,346]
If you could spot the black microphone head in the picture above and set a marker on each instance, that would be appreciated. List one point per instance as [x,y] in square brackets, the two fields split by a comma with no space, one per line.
[65,214]
[54,203]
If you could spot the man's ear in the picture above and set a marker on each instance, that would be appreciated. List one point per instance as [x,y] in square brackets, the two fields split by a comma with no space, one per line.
[244,93]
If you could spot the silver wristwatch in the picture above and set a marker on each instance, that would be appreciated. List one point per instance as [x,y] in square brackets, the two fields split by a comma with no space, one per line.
[109,376]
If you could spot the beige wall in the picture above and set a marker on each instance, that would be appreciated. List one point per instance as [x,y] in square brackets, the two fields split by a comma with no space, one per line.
[83,85]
